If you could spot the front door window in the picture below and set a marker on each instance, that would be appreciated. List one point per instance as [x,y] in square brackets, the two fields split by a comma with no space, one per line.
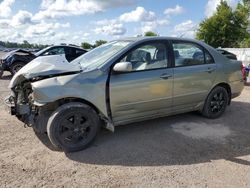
[55,51]
[146,57]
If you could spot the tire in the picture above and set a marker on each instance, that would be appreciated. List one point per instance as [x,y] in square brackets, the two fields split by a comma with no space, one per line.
[44,139]
[73,126]
[15,67]
[1,73]
[216,103]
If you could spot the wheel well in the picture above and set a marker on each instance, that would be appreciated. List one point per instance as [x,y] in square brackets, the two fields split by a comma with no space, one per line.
[68,100]
[228,88]
[46,111]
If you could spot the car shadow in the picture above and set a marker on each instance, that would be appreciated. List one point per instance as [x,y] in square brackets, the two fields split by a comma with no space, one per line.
[247,84]
[43,137]
[177,140]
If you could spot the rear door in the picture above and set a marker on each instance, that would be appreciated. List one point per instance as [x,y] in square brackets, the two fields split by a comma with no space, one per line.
[194,74]
[146,91]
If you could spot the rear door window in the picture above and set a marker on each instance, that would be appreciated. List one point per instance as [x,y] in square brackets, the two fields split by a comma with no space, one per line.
[189,54]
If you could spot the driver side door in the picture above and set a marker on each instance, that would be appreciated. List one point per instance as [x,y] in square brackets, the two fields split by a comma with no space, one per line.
[146,91]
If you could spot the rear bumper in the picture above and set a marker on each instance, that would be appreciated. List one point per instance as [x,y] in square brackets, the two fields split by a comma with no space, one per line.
[236,88]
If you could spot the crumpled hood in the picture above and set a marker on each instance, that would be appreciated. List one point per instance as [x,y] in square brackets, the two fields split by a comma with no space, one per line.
[14,51]
[44,66]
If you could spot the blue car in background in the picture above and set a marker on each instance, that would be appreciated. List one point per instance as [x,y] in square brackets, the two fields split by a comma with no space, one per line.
[16,59]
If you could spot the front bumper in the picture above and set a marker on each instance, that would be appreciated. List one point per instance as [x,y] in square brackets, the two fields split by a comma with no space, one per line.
[16,109]
[10,105]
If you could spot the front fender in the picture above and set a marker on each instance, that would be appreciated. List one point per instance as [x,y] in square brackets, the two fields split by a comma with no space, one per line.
[89,86]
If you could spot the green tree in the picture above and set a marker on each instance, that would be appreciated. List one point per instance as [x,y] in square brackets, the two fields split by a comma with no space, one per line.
[99,43]
[226,28]
[245,43]
[86,45]
[26,44]
[150,34]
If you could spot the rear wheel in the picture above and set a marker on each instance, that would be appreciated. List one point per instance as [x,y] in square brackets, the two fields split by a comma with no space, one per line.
[16,67]
[216,103]
[73,126]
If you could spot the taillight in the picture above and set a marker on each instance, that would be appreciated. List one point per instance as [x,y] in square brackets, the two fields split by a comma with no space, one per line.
[243,71]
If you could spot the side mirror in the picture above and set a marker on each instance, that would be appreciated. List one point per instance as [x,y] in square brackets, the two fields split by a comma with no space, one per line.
[123,67]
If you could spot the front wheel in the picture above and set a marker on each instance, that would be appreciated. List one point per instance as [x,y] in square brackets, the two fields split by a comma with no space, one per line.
[16,67]
[73,126]
[216,103]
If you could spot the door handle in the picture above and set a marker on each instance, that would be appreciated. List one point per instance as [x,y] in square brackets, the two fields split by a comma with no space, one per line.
[210,70]
[165,76]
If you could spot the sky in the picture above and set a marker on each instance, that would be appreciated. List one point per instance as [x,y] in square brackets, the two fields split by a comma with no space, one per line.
[77,21]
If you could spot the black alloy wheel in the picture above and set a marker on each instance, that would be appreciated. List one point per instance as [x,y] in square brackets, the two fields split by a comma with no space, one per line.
[74,129]
[73,126]
[216,103]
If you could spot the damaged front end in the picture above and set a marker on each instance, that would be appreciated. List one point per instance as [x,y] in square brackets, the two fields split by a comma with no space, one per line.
[20,103]
[21,100]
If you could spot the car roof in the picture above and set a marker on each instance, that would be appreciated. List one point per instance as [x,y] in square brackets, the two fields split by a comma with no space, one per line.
[135,39]
[145,39]
[65,45]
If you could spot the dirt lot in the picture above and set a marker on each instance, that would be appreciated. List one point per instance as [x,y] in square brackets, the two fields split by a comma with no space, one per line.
[181,151]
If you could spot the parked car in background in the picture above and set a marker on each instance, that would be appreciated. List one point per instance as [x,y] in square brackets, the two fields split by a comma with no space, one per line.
[121,82]
[16,59]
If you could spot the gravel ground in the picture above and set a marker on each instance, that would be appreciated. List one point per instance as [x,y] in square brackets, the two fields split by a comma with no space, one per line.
[180,151]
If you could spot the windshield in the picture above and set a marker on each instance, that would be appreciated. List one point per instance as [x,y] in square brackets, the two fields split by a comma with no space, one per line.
[100,55]
[41,51]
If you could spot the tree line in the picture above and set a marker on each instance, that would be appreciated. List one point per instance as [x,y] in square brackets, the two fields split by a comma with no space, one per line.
[24,44]
[227,27]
